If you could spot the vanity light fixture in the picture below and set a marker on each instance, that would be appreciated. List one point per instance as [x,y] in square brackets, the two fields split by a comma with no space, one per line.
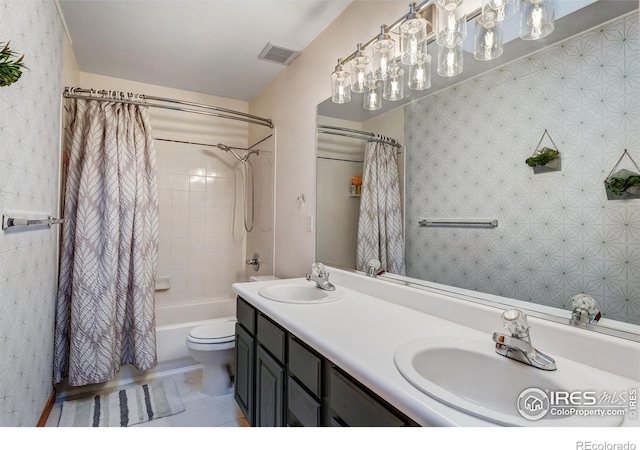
[420,74]
[445,23]
[360,68]
[384,51]
[340,84]
[450,60]
[503,8]
[372,98]
[413,37]
[451,26]
[393,89]
[488,43]
[536,19]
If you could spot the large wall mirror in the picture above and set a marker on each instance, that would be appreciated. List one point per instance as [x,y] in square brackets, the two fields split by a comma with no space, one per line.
[462,162]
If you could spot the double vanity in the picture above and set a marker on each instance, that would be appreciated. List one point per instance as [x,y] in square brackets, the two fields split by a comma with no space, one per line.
[376,353]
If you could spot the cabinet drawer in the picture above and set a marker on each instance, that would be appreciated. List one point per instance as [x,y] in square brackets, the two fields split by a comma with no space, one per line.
[302,410]
[305,366]
[272,337]
[354,407]
[246,315]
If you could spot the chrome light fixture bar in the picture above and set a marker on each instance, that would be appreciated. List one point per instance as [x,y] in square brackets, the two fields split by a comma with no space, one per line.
[442,21]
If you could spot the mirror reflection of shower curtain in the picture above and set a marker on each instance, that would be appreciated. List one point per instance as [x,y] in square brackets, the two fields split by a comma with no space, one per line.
[380,223]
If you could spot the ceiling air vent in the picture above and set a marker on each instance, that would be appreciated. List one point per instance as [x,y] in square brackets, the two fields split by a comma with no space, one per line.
[278,54]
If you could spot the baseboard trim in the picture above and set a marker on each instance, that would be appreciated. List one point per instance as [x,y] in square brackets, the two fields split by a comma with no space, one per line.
[47,409]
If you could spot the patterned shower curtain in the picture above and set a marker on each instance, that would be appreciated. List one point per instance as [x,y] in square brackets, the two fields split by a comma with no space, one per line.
[105,310]
[380,224]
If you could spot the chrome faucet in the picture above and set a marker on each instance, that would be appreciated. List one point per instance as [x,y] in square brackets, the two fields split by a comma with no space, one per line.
[584,311]
[321,277]
[372,267]
[518,346]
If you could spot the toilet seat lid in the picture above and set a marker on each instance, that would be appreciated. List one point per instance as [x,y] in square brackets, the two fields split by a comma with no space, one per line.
[214,333]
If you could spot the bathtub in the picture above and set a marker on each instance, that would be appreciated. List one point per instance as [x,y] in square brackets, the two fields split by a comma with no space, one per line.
[173,323]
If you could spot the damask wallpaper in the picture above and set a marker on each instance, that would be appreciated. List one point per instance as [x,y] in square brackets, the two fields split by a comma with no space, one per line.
[29,166]
[558,235]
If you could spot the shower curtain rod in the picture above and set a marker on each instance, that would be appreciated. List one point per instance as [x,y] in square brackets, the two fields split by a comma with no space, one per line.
[356,134]
[141,99]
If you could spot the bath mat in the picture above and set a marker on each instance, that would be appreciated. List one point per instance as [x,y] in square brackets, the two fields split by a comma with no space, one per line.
[132,404]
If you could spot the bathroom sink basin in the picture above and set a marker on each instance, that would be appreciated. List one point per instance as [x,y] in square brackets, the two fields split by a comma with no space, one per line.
[470,376]
[305,292]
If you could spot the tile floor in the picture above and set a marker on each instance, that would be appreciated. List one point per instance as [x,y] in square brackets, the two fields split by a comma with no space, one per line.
[200,410]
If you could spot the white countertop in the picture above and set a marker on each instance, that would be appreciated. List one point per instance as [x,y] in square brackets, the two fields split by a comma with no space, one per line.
[361,332]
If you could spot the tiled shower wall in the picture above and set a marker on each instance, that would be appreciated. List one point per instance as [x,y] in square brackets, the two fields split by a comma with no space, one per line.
[202,238]
[29,164]
[558,234]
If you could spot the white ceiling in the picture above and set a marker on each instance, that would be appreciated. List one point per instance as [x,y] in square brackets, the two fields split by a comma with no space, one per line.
[207,46]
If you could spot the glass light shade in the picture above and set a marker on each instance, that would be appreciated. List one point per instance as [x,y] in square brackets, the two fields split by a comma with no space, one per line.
[383,51]
[393,89]
[340,85]
[450,4]
[536,19]
[488,43]
[451,26]
[503,8]
[420,74]
[360,68]
[450,60]
[413,37]
[372,98]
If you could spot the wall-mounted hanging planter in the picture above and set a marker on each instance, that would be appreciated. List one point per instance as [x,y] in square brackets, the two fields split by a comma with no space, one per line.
[10,65]
[545,158]
[623,184]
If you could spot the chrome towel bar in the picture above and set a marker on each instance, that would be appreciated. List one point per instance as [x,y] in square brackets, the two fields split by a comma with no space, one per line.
[457,223]
[8,222]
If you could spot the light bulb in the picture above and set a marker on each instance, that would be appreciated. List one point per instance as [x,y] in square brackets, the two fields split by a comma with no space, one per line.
[450,60]
[535,22]
[537,18]
[420,74]
[383,52]
[452,26]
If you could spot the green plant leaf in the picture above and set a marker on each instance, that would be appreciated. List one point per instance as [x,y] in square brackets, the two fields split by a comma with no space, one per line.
[542,157]
[11,65]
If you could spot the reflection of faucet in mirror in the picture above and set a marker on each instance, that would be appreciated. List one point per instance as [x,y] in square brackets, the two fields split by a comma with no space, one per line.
[518,346]
[373,266]
[585,310]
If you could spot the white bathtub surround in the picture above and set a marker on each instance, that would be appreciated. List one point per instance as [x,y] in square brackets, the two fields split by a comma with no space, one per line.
[362,331]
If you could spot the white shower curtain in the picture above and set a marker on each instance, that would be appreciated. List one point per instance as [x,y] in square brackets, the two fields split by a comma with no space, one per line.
[105,310]
[380,223]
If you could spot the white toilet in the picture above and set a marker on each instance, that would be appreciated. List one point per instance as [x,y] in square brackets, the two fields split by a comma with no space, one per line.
[212,345]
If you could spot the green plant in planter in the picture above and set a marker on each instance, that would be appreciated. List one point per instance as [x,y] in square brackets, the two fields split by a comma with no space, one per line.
[622,180]
[542,157]
[10,66]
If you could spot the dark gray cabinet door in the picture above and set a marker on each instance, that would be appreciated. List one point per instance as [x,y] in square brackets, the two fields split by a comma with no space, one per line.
[270,378]
[245,374]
